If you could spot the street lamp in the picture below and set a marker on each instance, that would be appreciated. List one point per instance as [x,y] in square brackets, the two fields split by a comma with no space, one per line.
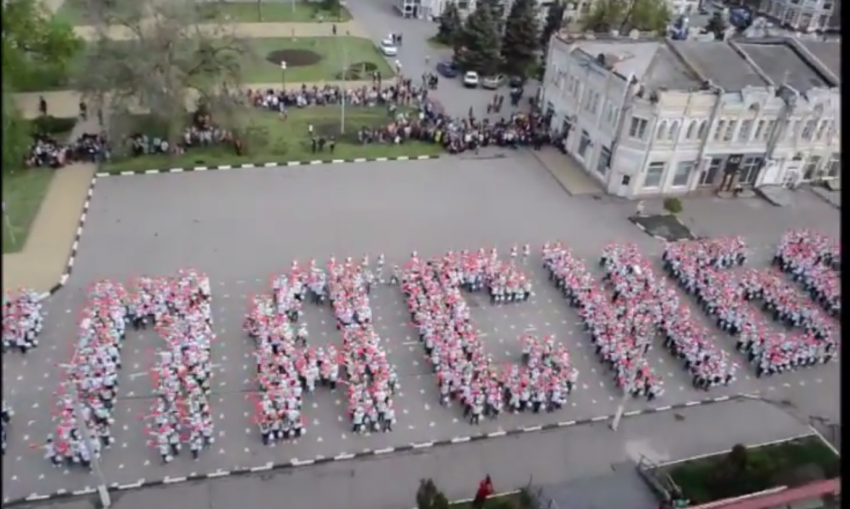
[283,74]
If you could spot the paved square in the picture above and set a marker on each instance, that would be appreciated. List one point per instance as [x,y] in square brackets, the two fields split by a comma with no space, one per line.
[241,227]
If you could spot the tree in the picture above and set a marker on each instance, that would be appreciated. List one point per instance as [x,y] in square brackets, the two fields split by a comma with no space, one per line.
[159,57]
[497,7]
[626,15]
[451,25]
[554,22]
[520,41]
[479,48]
[36,51]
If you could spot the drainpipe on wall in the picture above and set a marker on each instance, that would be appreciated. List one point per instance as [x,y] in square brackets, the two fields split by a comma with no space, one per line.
[625,108]
[715,112]
[654,136]
[789,98]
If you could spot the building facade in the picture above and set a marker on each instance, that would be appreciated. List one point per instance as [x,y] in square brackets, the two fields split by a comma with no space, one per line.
[658,117]
[803,15]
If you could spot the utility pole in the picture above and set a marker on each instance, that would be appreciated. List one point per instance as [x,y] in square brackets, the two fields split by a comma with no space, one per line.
[83,427]
[283,74]
[9,225]
[636,358]
[343,91]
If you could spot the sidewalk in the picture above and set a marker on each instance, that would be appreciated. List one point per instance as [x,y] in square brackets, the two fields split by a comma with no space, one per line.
[252,30]
[42,261]
[567,172]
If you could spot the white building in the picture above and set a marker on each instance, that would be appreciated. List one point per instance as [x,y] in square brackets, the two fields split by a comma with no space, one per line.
[651,117]
[803,15]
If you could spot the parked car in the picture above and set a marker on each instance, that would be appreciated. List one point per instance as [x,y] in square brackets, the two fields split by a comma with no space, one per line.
[493,82]
[470,79]
[388,48]
[447,69]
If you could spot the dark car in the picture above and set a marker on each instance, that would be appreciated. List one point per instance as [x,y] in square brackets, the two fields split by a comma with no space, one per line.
[447,69]
[516,81]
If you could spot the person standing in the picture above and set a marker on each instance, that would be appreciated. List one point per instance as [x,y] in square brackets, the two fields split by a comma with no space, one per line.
[485,489]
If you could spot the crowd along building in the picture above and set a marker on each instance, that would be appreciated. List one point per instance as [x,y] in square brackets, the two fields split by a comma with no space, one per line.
[653,116]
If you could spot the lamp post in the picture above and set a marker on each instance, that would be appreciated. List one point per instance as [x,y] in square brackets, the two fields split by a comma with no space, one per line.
[283,74]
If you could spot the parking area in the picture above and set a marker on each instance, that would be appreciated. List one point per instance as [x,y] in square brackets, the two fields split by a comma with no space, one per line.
[242,227]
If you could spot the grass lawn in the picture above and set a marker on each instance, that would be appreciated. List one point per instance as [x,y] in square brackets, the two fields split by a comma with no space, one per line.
[77,12]
[274,12]
[714,478]
[288,140]
[312,59]
[23,192]
[506,502]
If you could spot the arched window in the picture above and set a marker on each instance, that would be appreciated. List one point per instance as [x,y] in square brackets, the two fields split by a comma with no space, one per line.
[692,130]
[822,130]
[662,131]
[703,129]
[674,131]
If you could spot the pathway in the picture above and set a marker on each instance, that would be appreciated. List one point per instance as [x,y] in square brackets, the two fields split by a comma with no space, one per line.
[250,30]
[568,173]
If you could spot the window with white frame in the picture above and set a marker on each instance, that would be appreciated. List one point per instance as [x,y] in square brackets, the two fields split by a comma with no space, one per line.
[661,132]
[637,128]
[719,130]
[653,175]
[692,130]
[683,173]
[809,130]
[730,130]
[834,169]
[583,144]
[823,128]
[604,162]
[771,125]
[745,131]
[703,130]
[759,130]
[614,116]
[674,131]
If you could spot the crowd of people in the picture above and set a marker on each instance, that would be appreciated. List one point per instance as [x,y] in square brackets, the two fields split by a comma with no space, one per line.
[701,268]
[22,320]
[622,330]
[45,151]
[466,374]
[287,367]
[399,93]
[90,389]
[181,310]
[812,259]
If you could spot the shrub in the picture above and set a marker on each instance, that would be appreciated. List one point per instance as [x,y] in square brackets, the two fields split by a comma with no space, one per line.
[673,205]
[52,125]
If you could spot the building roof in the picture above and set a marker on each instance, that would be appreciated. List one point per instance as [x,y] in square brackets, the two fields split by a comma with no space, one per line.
[828,52]
[622,488]
[720,63]
[783,64]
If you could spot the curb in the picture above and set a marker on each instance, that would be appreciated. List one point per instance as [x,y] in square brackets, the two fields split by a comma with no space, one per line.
[270,165]
[369,453]
[69,266]
[642,228]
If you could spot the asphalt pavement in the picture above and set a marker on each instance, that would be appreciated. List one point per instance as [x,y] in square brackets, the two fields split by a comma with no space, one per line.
[242,227]
[565,455]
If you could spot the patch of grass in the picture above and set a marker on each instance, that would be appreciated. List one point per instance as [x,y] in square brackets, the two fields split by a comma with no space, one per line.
[274,12]
[278,140]
[335,54]
[739,473]
[23,192]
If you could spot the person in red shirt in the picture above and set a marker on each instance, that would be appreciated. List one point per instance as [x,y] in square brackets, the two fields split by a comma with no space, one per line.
[485,489]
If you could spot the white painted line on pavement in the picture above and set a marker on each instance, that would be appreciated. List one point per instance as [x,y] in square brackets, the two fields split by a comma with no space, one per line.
[663,408]
[632,413]
[532,428]
[297,463]
[137,484]
[497,434]
[343,456]
[692,403]
[219,473]
[263,468]
[384,451]
[600,418]
[564,424]
[36,496]
[173,480]
[423,445]
[84,491]
[721,398]
[460,440]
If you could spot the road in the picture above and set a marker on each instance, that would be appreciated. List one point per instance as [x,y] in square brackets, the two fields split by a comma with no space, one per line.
[576,453]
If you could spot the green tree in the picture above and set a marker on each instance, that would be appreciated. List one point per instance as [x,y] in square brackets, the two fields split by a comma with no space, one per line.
[626,15]
[497,7]
[451,26]
[520,42]
[36,52]
[554,21]
[479,48]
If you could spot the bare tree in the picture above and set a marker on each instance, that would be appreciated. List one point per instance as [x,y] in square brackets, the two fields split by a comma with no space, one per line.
[164,58]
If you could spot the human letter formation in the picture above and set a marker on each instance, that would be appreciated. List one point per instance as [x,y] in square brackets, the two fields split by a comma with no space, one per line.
[22,320]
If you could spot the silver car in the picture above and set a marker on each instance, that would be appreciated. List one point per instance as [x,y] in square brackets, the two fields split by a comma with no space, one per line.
[493,82]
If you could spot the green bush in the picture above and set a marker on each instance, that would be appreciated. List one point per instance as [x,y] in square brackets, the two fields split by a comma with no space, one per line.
[673,205]
[51,125]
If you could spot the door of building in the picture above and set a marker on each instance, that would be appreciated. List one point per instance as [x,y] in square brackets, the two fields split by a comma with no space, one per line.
[709,175]
[811,168]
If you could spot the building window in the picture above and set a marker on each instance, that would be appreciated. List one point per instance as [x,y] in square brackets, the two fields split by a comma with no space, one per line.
[637,129]
[674,131]
[703,129]
[791,133]
[683,173]
[730,130]
[662,131]
[809,130]
[745,131]
[604,162]
[811,167]
[463,4]
[718,131]
[583,144]
[759,130]
[834,165]
[822,130]
[750,169]
[771,125]
[653,175]
[692,130]
[790,15]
